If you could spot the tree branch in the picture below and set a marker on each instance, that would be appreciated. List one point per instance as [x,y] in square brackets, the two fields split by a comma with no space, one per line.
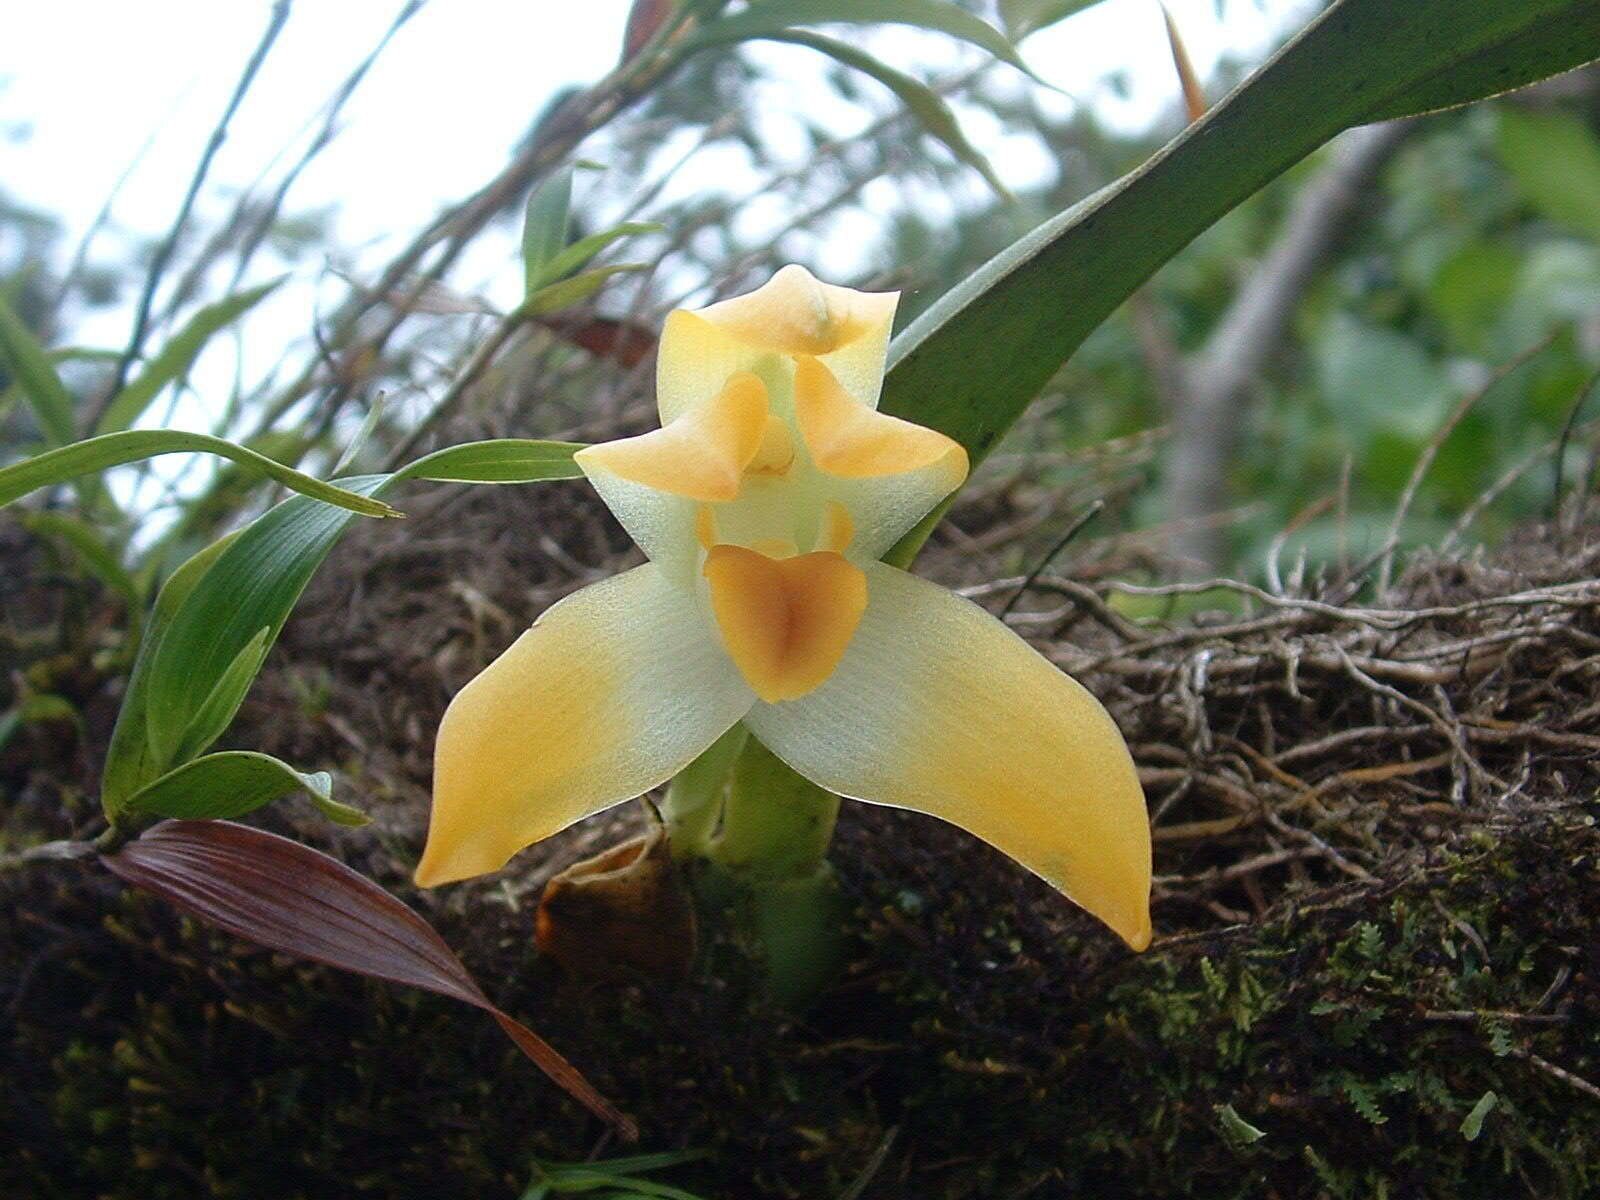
[1214,388]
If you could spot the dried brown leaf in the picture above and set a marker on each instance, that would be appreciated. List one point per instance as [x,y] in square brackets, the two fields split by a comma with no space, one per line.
[291,898]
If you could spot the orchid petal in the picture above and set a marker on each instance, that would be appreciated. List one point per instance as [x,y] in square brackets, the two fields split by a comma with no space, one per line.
[698,357]
[791,314]
[613,691]
[938,707]
[886,472]
[702,453]
[795,313]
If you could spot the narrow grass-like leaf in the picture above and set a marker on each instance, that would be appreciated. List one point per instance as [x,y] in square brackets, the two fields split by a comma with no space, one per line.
[553,297]
[1022,17]
[177,356]
[971,363]
[922,101]
[216,713]
[130,760]
[776,16]
[544,228]
[115,449]
[293,899]
[500,460]
[1472,1123]
[582,250]
[49,398]
[368,424]
[229,783]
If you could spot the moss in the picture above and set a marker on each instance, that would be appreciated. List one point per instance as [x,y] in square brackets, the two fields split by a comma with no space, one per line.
[1005,1051]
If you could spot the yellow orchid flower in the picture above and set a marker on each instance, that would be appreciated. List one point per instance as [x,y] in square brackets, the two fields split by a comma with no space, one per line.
[764,502]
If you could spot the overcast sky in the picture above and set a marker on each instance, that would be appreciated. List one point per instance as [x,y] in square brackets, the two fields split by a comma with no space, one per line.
[92,82]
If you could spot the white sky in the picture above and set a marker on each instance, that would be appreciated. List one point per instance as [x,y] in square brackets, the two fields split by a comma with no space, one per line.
[92,83]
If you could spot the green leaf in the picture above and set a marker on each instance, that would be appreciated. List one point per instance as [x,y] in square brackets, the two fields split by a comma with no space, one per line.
[971,363]
[1472,1124]
[214,716]
[1500,45]
[544,228]
[567,292]
[253,584]
[1374,379]
[227,784]
[923,102]
[339,813]
[501,460]
[582,250]
[630,1164]
[368,424]
[21,352]
[777,16]
[177,356]
[218,603]
[1235,1128]
[1554,159]
[1022,17]
[115,449]
[130,763]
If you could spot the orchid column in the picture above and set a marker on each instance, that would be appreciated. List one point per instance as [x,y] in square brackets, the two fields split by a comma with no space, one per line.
[764,503]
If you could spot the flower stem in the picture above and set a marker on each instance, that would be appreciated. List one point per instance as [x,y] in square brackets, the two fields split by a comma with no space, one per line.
[775,825]
[694,799]
[767,871]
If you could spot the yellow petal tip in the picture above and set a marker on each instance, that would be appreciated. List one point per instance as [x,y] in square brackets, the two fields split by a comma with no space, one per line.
[847,438]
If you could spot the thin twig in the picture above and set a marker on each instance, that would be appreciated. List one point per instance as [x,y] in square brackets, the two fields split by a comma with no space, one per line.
[1385,554]
[1077,527]
[1566,434]
[163,254]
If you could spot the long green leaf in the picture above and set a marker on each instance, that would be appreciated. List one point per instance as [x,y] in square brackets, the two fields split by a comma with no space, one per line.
[26,359]
[115,449]
[217,605]
[253,584]
[971,363]
[228,784]
[501,460]
[177,356]
[776,16]
[544,228]
[564,293]
[923,102]
[214,716]
[1022,17]
[130,762]
[1517,43]
[582,250]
